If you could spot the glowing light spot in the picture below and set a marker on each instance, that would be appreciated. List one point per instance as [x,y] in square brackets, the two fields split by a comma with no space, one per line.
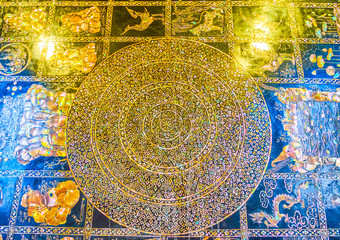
[261,46]
[50,50]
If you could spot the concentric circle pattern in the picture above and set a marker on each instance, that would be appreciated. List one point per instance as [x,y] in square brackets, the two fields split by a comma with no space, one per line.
[168,143]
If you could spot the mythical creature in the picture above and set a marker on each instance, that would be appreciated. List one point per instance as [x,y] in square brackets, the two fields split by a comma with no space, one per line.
[146,19]
[271,220]
[186,20]
[208,24]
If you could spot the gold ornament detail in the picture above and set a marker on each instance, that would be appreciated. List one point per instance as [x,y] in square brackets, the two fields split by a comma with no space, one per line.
[81,59]
[26,21]
[183,134]
[146,19]
[87,20]
[197,20]
[54,206]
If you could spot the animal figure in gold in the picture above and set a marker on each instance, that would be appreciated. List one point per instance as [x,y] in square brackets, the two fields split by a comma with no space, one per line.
[208,24]
[146,20]
[271,220]
[186,20]
[87,20]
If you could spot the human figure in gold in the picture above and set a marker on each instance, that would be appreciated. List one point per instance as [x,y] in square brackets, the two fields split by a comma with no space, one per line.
[146,20]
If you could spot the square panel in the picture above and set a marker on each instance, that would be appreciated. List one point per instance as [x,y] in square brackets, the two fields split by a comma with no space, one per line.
[267,60]
[51,202]
[317,22]
[198,21]
[23,21]
[305,136]
[79,21]
[321,60]
[23,132]
[138,21]
[261,22]
[72,58]
[283,203]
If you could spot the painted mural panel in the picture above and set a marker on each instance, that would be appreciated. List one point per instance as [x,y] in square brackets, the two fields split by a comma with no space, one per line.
[200,120]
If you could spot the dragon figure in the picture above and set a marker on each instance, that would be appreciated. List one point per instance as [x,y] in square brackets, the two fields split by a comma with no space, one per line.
[272,220]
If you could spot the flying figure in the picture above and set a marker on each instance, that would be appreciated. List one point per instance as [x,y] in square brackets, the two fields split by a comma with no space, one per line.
[146,19]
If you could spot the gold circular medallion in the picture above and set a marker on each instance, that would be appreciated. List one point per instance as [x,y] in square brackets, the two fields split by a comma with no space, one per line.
[168,136]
